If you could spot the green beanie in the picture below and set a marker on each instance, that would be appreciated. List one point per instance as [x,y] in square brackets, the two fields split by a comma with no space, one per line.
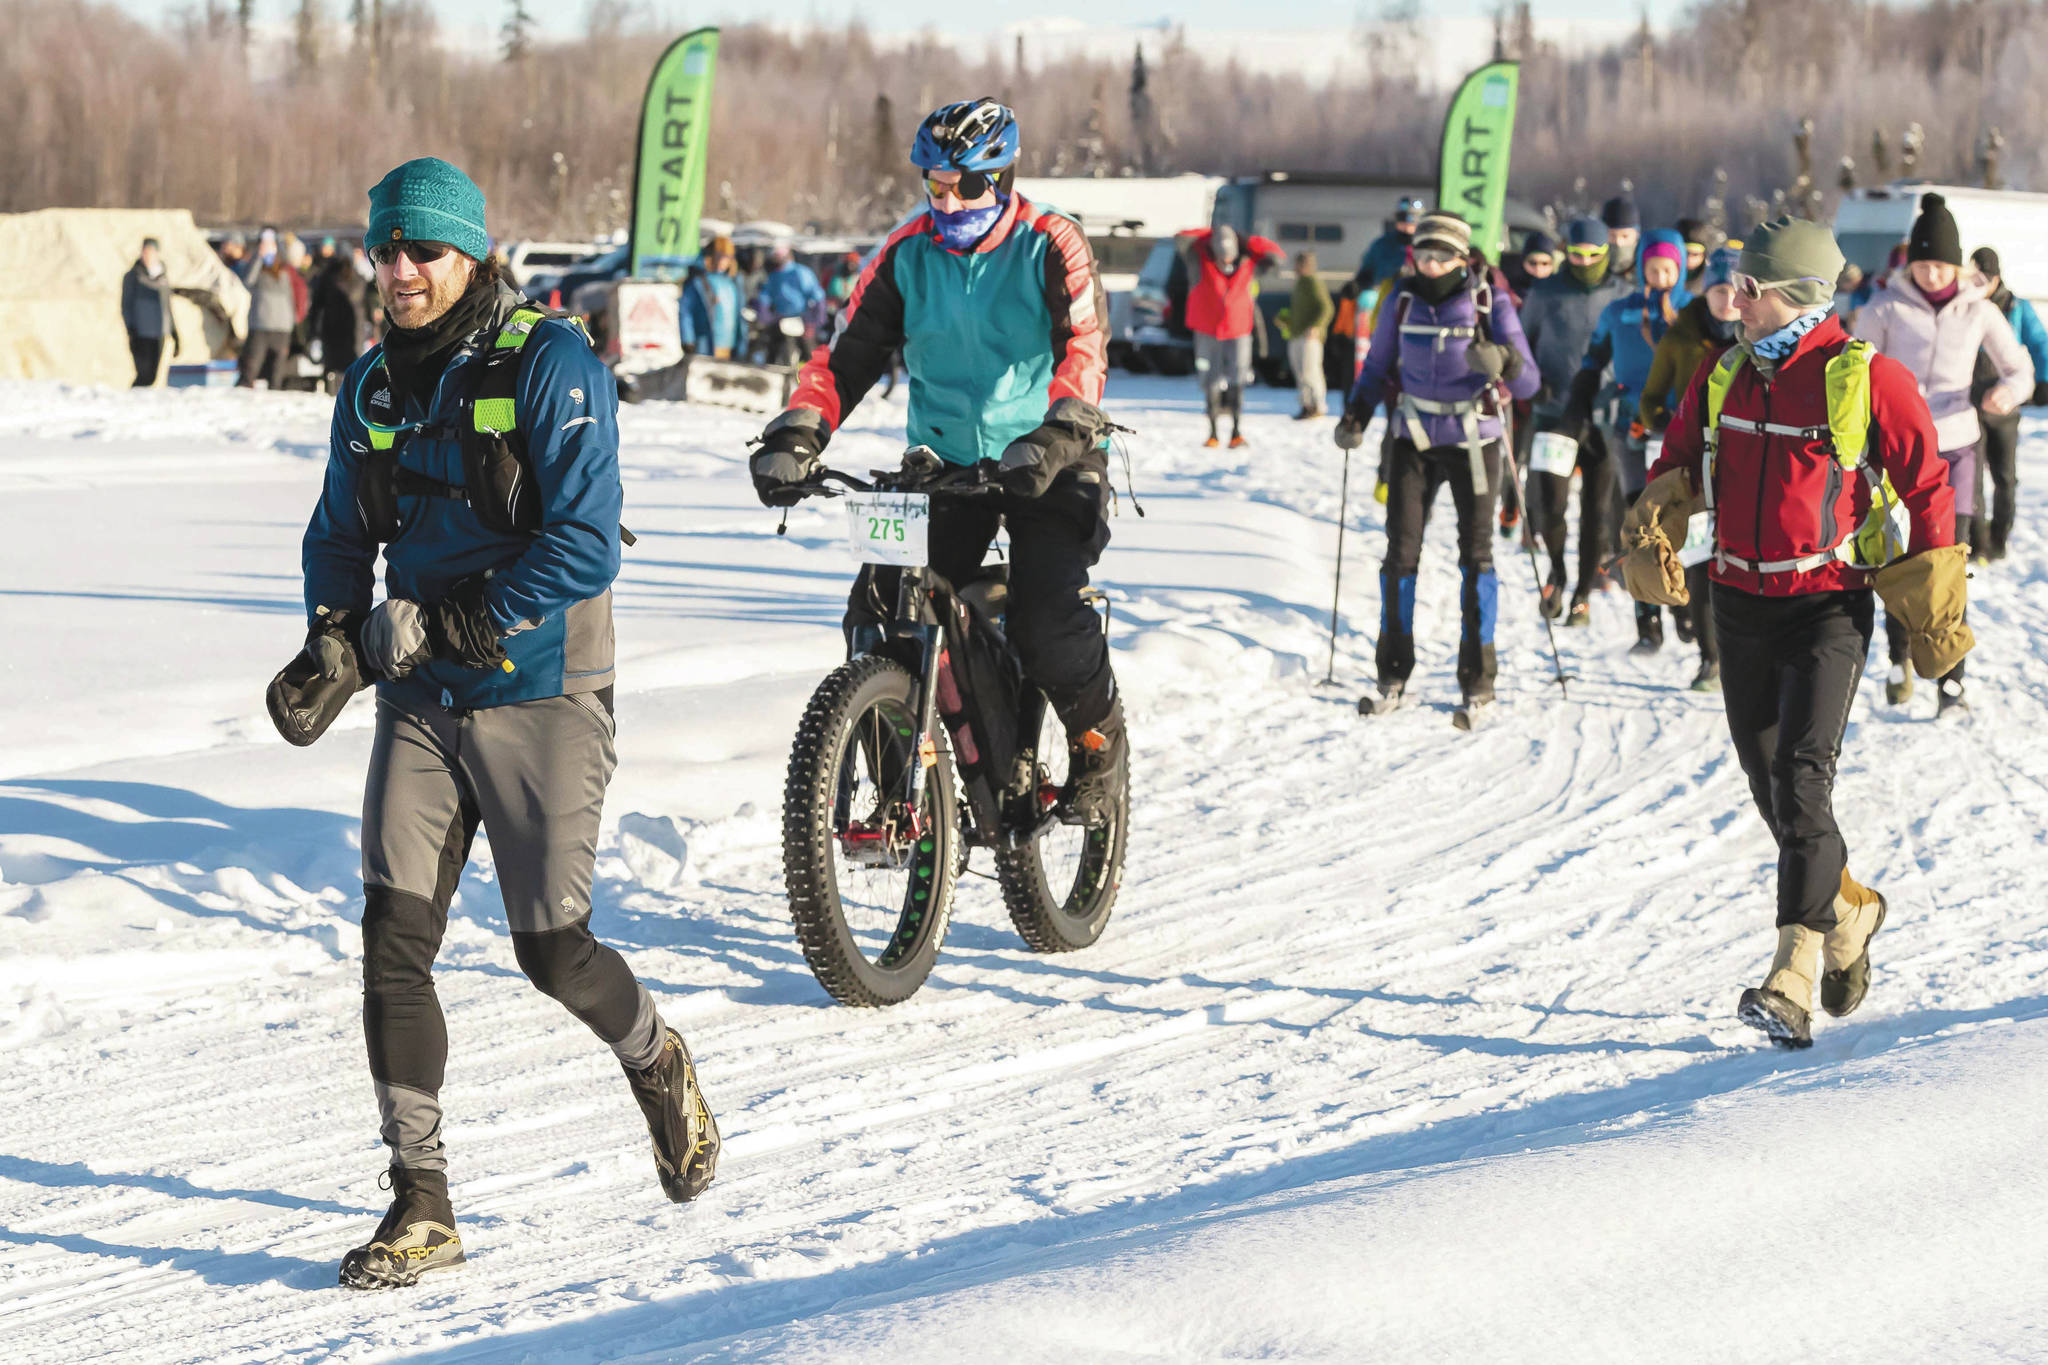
[428,200]
[1794,249]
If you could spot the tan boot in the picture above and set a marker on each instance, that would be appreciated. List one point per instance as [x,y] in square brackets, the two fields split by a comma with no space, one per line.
[1859,914]
[1780,1006]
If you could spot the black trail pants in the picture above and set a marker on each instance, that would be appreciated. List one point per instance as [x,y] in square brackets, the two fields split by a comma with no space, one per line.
[1789,669]
[2001,449]
[1598,488]
[1413,478]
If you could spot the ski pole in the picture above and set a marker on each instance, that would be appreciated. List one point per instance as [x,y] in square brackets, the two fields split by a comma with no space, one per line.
[1507,427]
[1337,592]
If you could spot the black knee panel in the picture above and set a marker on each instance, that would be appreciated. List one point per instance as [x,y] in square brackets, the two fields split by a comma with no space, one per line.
[402,1024]
[591,980]
[401,937]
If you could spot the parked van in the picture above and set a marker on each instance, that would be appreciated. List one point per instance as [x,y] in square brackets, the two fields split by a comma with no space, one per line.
[1870,222]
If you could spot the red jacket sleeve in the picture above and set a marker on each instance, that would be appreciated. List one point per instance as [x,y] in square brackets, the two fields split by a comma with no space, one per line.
[1256,246]
[1685,438]
[836,377]
[1903,445]
[1074,298]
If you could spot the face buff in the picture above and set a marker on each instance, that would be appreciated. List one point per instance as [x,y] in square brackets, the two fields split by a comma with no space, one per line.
[1779,344]
[963,229]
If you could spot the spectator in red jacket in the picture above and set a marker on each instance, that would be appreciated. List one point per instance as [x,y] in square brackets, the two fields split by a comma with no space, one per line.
[1801,537]
[1223,313]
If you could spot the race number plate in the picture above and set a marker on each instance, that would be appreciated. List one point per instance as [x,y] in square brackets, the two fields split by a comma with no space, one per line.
[889,528]
[1553,452]
[1699,541]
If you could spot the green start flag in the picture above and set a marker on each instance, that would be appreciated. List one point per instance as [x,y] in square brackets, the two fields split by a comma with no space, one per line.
[668,179]
[1478,132]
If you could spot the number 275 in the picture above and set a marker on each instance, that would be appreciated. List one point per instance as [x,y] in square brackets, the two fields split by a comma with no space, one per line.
[885,528]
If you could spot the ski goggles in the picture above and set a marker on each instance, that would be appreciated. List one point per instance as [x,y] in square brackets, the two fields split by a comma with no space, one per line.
[971,185]
[1752,288]
[1584,255]
[419,253]
[1442,255]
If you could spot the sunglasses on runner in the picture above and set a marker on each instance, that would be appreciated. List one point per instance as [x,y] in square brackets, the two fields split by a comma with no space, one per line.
[419,253]
[1585,255]
[1752,288]
[970,185]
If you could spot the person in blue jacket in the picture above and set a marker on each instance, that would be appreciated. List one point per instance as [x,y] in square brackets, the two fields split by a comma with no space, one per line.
[711,320]
[1609,385]
[789,290]
[994,302]
[1387,256]
[2002,432]
[478,445]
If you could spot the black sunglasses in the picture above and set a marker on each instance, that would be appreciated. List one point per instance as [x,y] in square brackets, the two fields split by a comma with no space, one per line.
[419,253]
[971,185]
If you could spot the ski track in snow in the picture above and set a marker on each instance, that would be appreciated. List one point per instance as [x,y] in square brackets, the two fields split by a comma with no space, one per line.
[1344,948]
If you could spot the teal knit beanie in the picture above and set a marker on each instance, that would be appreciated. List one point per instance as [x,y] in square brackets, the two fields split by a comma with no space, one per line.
[428,200]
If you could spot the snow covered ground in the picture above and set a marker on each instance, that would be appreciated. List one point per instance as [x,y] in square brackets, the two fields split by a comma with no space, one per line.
[1403,1044]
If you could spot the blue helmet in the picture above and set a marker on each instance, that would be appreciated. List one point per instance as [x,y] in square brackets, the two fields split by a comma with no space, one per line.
[972,135]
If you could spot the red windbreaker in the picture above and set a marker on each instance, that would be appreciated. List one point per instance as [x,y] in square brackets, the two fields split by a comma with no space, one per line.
[1220,305]
[1781,497]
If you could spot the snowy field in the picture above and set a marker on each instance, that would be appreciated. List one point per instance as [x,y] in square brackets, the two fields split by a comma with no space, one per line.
[1403,1044]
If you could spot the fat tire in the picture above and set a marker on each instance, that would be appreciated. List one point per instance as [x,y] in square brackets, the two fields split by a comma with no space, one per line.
[810,870]
[1048,924]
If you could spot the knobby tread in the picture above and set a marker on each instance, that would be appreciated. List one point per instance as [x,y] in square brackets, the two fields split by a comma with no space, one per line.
[1034,914]
[807,853]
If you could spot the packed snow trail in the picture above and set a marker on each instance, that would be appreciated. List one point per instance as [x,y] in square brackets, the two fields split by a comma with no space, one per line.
[1345,949]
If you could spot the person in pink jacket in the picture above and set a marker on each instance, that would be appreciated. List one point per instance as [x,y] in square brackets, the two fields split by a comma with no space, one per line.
[1933,319]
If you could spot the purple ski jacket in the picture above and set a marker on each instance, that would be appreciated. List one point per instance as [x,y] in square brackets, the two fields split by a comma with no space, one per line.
[1408,354]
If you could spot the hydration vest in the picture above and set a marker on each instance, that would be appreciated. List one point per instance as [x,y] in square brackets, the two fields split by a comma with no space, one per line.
[1468,411]
[1886,530]
[497,469]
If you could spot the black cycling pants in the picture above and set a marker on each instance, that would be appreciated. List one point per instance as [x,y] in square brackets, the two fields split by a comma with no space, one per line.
[1055,539]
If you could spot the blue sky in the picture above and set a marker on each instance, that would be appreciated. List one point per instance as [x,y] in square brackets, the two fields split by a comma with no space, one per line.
[968,18]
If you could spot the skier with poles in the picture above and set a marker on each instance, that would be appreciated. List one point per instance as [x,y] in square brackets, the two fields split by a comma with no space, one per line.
[1452,346]
[1817,461]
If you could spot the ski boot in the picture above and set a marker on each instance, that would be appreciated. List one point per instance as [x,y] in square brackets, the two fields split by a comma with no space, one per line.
[416,1236]
[1551,604]
[685,1135]
[1095,769]
[1388,699]
[1681,625]
[1237,441]
[1859,914]
[1581,613]
[1898,685]
[1212,442]
[1779,1006]
[1949,700]
[1474,711]
[1649,632]
[1708,679]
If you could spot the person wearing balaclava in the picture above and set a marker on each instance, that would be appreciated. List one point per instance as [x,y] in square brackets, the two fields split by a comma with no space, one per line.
[1704,327]
[1559,316]
[1992,526]
[1222,311]
[1934,319]
[1799,545]
[1624,233]
[1454,351]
